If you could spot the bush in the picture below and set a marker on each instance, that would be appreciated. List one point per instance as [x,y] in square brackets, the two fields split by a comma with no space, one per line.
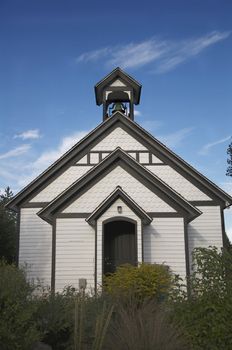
[18,328]
[144,281]
[207,314]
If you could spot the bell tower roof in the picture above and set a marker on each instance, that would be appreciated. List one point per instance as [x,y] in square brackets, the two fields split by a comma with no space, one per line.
[118,79]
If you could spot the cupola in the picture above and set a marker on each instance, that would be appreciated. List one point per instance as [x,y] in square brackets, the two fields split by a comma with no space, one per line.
[118,92]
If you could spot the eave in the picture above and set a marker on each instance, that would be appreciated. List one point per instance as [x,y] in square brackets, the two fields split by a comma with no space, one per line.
[119,193]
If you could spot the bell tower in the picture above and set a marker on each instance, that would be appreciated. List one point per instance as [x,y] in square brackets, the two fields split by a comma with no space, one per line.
[118,92]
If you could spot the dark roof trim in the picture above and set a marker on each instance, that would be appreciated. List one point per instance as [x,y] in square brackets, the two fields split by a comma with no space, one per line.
[119,193]
[102,130]
[119,157]
[117,73]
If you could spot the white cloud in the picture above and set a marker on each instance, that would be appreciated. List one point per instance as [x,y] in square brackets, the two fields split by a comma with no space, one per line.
[21,171]
[28,134]
[93,55]
[175,139]
[151,125]
[165,55]
[50,156]
[190,48]
[137,113]
[227,186]
[206,148]
[15,152]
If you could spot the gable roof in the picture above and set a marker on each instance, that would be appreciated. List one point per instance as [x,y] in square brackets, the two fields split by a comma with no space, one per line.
[117,73]
[119,193]
[119,157]
[103,129]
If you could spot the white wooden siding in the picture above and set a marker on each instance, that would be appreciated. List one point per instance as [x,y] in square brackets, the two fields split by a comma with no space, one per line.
[75,253]
[206,230]
[112,212]
[139,193]
[61,183]
[35,248]
[164,243]
[178,182]
[118,138]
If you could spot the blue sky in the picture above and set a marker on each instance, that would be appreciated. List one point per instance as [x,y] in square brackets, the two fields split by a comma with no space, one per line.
[53,52]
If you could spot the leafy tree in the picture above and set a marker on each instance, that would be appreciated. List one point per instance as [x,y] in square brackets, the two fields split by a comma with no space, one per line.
[229,160]
[18,307]
[8,235]
[206,315]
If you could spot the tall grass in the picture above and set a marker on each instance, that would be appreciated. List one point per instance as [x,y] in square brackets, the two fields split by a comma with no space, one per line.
[144,326]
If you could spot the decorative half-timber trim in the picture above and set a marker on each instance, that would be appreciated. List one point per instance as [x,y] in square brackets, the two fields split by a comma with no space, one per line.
[119,158]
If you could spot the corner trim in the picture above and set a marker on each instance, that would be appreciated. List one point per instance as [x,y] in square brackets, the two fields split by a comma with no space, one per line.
[53,267]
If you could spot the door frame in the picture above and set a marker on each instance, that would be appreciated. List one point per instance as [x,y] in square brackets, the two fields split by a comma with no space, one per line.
[118,218]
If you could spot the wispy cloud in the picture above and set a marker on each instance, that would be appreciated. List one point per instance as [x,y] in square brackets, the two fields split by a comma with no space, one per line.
[137,113]
[175,139]
[164,55]
[50,156]
[15,152]
[206,148]
[28,134]
[24,169]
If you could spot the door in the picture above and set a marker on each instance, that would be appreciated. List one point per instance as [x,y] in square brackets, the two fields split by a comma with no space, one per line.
[119,245]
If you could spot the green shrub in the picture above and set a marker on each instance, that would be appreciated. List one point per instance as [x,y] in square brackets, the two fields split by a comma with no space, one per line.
[144,281]
[54,318]
[207,314]
[18,328]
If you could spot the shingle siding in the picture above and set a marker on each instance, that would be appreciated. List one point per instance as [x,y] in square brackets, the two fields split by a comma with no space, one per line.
[139,193]
[60,183]
[178,182]
[118,138]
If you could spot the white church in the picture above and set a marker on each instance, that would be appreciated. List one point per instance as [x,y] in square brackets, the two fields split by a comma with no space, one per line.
[118,196]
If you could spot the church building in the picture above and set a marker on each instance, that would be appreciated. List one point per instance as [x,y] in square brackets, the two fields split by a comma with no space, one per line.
[117,196]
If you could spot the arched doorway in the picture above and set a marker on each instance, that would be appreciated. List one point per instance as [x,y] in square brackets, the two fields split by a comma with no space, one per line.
[119,245]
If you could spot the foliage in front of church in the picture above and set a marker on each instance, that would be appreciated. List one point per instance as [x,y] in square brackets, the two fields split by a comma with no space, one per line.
[144,281]
[71,320]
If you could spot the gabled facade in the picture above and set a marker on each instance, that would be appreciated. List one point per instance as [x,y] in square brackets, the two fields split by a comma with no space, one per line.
[118,196]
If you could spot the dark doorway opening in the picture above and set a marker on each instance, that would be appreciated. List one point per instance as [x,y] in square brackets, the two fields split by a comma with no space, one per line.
[119,245]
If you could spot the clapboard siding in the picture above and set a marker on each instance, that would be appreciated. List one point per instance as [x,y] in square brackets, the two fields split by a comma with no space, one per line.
[61,183]
[111,213]
[164,243]
[178,182]
[118,138]
[139,193]
[35,249]
[206,230]
[75,253]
